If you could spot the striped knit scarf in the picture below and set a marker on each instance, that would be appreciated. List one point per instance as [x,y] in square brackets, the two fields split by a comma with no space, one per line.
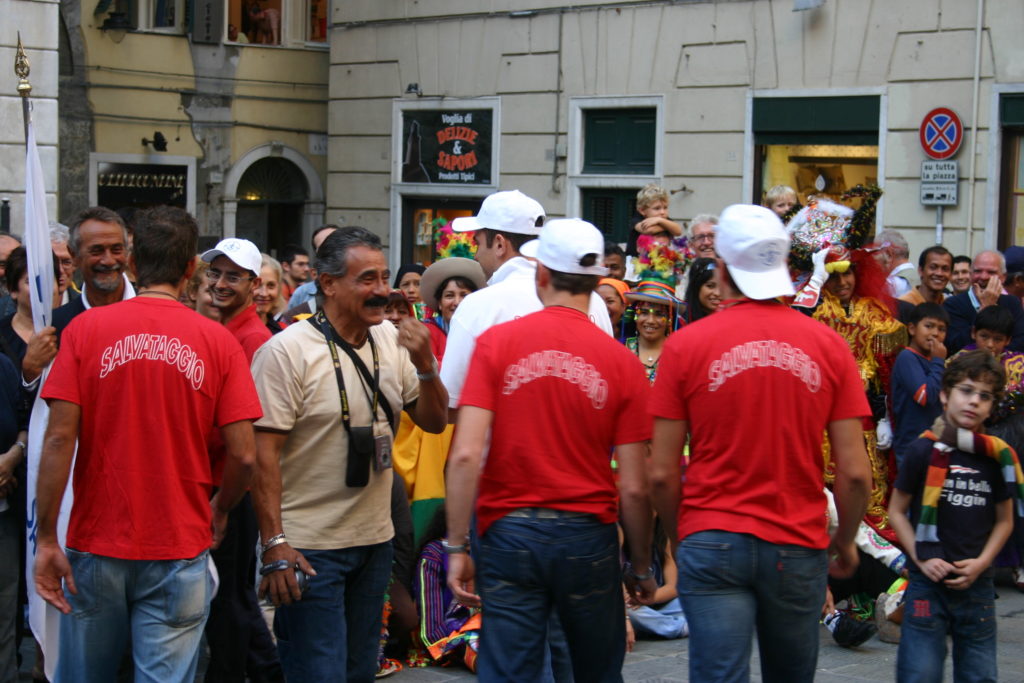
[972,442]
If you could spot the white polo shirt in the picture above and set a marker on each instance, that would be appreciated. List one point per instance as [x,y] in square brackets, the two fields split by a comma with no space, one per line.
[510,293]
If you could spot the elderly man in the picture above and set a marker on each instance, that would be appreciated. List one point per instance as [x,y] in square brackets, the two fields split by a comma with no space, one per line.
[99,246]
[141,384]
[702,235]
[894,257]
[331,388]
[59,236]
[752,542]
[988,270]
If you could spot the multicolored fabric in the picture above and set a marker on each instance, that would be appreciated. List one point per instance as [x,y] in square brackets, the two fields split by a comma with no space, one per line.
[970,442]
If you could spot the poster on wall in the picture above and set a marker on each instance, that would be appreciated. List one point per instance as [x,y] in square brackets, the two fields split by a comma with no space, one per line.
[141,185]
[451,146]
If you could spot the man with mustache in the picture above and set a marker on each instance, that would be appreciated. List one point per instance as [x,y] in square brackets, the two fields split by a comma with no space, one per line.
[99,247]
[332,387]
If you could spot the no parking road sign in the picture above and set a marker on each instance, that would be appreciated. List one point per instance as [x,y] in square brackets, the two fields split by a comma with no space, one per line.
[941,133]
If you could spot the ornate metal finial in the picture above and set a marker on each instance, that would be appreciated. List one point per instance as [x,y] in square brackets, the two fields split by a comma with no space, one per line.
[21,70]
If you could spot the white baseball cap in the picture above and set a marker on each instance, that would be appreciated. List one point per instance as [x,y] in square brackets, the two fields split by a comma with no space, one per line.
[508,211]
[754,245]
[564,242]
[242,252]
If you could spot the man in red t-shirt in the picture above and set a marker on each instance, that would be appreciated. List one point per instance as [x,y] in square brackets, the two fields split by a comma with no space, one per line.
[238,636]
[755,386]
[557,396]
[140,384]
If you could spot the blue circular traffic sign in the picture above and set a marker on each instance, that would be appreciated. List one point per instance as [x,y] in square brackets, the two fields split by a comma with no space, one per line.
[941,133]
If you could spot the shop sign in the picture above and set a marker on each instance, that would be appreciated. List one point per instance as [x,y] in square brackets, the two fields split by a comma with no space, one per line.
[125,184]
[447,146]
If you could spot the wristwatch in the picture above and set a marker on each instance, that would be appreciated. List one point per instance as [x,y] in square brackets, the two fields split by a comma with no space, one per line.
[628,570]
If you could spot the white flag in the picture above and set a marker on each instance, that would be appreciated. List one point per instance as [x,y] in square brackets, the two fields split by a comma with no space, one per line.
[37,238]
[44,618]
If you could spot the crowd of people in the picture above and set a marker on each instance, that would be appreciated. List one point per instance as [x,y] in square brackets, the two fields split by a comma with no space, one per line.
[518,458]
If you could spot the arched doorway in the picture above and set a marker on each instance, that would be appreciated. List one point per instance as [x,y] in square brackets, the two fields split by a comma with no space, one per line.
[271,196]
[262,189]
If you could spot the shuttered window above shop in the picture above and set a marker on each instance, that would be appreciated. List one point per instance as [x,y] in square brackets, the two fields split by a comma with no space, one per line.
[845,120]
[1011,110]
[611,210]
[619,141]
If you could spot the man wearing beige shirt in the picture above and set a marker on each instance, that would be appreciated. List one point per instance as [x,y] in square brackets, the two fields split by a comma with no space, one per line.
[332,387]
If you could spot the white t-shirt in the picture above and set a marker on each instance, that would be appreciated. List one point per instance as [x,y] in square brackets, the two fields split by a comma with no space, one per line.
[510,293]
[298,390]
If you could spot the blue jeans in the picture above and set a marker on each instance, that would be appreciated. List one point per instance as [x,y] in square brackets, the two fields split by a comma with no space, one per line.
[731,584]
[333,632]
[528,566]
[932,612]
[161,604]
[667,621]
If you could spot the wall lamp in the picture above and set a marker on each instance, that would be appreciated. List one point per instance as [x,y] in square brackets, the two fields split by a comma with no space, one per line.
[159,142]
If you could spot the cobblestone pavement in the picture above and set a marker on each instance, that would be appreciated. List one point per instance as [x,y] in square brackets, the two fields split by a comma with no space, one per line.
[667,661]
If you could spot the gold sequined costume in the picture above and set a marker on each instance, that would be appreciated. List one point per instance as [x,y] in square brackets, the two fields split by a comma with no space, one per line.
[875,338]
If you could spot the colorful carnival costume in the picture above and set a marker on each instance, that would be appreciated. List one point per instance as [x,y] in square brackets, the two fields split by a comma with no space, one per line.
[867,322]
[448,630]
[875,338]
[659,265]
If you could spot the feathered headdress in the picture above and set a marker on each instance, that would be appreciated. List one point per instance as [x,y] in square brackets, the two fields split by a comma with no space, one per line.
[658,261]
[824,223]
[448,243]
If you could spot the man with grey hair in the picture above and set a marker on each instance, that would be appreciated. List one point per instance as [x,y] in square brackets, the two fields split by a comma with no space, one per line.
[702,235]
[98,243]
[894,257]
[59,236]
[323,486]
[988,270]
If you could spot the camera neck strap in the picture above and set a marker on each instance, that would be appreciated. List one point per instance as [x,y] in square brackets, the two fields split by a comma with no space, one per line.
[371,383]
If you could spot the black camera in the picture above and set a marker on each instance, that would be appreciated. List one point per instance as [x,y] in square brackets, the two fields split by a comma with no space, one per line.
[360,454]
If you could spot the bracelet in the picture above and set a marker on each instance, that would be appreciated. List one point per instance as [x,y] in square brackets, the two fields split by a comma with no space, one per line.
[278,566]
[427,376]
[629,571]
[453,549]
[24,446]
[274,540]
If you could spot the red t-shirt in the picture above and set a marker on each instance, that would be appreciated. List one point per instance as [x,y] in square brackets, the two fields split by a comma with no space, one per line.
[251,333]
[249,330]
[758,384]
[563,394]
[151,377]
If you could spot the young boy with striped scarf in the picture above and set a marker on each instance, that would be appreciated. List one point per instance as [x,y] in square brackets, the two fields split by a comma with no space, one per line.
[952,509]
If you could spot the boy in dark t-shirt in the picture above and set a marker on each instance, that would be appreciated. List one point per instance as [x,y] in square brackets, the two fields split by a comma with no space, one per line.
[917,375]
[952,511]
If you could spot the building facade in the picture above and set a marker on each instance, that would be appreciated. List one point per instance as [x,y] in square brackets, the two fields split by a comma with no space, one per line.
[36,23]
[219,107]
[435,104]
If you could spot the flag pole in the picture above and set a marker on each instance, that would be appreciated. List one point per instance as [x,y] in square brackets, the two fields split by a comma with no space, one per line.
[21,70]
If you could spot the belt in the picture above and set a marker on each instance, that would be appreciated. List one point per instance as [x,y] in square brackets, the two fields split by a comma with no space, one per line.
[546,513]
